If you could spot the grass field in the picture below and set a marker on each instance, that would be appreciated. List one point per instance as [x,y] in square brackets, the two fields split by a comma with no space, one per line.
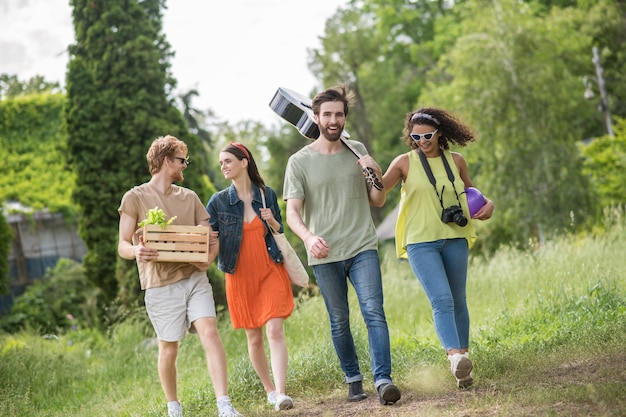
[548,337]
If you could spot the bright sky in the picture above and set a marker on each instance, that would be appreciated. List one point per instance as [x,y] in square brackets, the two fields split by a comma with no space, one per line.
[236,53]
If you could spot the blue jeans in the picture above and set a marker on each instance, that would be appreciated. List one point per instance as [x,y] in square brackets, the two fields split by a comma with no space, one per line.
[363,271]
[441,268]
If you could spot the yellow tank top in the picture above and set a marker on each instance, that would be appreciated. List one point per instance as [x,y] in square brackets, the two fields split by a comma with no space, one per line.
[419,216]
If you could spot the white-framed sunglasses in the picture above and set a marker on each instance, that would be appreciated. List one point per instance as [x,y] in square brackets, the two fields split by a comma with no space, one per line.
[427,136]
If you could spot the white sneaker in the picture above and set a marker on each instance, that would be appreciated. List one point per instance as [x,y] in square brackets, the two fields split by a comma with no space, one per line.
[283,402]
[174,409]
[227,410]
[271,398]
[461,367]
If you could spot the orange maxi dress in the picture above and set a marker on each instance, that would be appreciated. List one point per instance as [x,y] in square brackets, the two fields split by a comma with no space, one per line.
[260,289]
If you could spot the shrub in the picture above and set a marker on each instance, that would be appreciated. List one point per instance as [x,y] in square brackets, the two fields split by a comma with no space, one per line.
[62,299]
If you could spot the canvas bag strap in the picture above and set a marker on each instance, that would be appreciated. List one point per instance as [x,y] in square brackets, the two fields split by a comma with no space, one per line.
[263,199]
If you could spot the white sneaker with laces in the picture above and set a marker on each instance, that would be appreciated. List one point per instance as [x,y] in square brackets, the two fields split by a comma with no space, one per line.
[174,409]
[271,398]
[283,402]
[227,410]
[461,367]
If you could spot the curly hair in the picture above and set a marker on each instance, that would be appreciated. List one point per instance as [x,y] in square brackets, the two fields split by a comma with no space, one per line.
[449,126]
[162,147]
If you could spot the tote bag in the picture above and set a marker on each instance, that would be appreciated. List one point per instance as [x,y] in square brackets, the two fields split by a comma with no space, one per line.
[293,265]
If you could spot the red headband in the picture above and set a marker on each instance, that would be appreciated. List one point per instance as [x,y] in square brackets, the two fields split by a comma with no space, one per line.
[242,149]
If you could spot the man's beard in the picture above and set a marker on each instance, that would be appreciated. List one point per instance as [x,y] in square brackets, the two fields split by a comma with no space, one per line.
[332,136]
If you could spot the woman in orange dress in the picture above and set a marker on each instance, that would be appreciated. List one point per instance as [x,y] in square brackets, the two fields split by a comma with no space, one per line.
[258,289]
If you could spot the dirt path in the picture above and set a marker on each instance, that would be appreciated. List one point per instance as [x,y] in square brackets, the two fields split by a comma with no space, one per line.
[485,400]
[409,405]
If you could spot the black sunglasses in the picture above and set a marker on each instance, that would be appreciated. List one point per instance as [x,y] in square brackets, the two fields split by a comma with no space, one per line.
[184,160]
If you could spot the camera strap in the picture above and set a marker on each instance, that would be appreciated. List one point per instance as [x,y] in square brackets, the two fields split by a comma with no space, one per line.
[431,177]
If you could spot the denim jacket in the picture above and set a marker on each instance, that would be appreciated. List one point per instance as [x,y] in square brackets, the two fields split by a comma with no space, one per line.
[226,211]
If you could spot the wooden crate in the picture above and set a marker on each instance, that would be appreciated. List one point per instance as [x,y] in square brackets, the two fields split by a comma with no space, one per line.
[178,243]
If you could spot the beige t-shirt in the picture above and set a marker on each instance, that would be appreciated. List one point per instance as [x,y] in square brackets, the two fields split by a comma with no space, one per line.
[180,202]
[335,200]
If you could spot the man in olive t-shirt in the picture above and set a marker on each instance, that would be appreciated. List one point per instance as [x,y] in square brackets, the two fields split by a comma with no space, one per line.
[328,207]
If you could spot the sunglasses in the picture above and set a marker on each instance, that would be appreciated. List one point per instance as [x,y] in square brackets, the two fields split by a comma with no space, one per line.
[427,136]
[184,160]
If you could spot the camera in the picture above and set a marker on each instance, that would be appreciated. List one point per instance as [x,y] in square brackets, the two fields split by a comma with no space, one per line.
[454,214]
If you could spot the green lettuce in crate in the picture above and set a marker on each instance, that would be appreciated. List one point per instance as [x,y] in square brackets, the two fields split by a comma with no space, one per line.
[156,216]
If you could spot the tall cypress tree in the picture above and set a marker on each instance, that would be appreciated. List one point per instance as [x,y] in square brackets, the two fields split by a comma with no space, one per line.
[119,89]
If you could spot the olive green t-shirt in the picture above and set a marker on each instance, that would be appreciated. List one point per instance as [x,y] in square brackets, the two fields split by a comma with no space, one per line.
[335,200]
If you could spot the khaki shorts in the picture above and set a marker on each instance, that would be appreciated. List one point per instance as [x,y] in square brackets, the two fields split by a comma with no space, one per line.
[174,307]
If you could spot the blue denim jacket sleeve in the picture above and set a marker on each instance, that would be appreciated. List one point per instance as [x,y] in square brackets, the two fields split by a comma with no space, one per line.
[226,217]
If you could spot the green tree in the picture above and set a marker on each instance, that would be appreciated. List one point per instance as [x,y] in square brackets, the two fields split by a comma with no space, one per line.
[349,48]
[605,22]
[194,117]
[350,54]
[34,169]
[512,70]
[514,75]
[383,50]
[11,86]
[119,99]
[605,164]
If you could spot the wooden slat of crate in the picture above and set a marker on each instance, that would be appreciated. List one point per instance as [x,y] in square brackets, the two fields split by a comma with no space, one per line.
[178,243]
